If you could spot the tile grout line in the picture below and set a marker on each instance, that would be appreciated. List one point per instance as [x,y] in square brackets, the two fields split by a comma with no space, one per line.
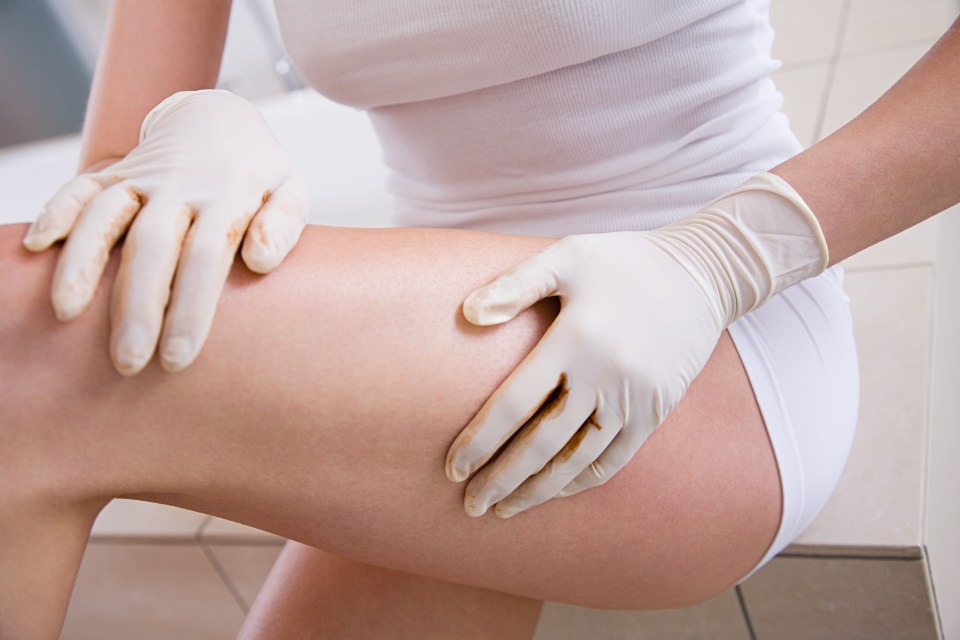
[203,526]
[932,590]
[251,542]
[830,556]
[787,67]
[746,615]
[180,541]
[886,48]
[222,572]
[934,325]
[227,540]
[831,72]
[889,267]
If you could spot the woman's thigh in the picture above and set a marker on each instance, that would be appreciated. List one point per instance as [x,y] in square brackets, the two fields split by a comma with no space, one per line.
[322,407]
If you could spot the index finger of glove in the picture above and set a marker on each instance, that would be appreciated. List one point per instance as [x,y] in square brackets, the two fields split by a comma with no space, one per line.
[524,391]
[87,250]
[207,257]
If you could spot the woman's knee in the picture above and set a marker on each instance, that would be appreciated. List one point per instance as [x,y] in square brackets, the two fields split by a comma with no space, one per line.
[38,402]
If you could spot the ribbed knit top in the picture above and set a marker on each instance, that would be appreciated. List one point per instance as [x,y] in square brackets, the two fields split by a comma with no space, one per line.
[551,117]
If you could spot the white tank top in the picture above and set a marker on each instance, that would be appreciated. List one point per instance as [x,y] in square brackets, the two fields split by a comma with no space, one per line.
[551,117]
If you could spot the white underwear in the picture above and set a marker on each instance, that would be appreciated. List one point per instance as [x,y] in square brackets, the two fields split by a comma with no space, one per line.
[799,353]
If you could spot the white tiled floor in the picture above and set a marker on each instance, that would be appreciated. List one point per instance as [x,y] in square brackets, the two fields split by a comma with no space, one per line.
[157,572]
[148,591]
[153,571]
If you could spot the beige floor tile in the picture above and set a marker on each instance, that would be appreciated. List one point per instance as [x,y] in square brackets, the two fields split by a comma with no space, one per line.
[860,80]
[875,24]
[218,530]
[247,566]
[803,89]
[805,29]
[852,599]
[879,500]
[135,520]
[146,592]
[916,245]
[718,619]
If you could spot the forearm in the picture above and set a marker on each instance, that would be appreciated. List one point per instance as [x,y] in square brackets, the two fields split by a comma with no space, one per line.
[153,49]
[894,165]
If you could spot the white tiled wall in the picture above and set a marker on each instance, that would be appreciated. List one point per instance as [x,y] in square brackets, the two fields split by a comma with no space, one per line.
[943,473]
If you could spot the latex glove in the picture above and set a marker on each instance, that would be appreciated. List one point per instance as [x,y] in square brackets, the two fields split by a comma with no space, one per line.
[641,313]
[207,172]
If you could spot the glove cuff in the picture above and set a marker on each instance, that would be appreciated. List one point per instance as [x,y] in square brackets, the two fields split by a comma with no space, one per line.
[748,245]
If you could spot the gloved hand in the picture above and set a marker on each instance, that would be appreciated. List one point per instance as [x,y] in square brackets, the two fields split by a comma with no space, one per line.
[207,171]
[640,314]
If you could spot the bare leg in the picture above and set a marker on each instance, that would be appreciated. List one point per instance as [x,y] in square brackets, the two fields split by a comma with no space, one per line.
[315,594]
[321,410]
[40,550]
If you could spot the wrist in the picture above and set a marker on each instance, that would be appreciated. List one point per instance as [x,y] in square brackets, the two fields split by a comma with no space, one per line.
[778,224]
[98,164]
[172,101]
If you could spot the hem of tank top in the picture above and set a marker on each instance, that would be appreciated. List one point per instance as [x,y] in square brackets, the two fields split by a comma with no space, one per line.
[620,184]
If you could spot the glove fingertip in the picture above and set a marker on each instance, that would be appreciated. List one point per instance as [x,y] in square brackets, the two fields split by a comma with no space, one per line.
[455,475]
[455,471]
[473,507]
[69,302]
[569,490]
[41,234]
[260,259]
[36,241]
[264,250]
[505,512]
[480,310]
[129,362]
[177,354]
